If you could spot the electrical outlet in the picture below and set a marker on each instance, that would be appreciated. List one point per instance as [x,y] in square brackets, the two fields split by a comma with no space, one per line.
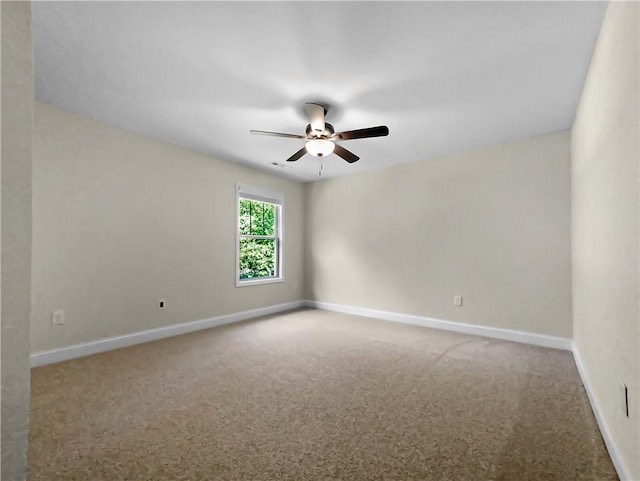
[57,318]
[161,303]
[457,301]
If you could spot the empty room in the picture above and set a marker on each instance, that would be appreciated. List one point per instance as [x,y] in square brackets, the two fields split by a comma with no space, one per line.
[393,241]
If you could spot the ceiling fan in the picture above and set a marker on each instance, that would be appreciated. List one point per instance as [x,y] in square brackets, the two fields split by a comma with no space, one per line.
[321,137]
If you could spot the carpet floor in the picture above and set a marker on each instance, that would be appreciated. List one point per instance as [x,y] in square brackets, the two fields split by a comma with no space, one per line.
[313,395]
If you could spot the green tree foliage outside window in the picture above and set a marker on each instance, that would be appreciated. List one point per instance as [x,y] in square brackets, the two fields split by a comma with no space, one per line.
[258,239]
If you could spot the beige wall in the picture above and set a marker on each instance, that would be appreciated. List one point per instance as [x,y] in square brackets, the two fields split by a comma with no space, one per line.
[491,225]
[605,199]
[121,220]
[17,112]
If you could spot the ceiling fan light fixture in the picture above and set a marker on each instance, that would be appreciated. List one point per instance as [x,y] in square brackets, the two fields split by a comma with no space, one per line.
[320,147]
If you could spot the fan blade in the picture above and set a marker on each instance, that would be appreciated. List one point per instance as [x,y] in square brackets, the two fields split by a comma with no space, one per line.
[297,155]
[315,113]
[380,131]
[345,154]
[277,134]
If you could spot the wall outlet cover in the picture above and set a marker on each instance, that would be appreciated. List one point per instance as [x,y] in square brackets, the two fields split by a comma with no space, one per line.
[57,318]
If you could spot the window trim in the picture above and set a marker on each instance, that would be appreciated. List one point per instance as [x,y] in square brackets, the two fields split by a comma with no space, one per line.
[261,194]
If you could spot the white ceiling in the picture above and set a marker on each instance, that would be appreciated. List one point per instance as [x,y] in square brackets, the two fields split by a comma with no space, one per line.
[443,76]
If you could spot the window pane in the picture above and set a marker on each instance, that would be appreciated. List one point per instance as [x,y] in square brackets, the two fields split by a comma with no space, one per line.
[245,216]
[269,219]
[257,258]
[257,218]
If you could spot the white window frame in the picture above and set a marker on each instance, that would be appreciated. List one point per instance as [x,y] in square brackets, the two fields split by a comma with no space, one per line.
[261,194]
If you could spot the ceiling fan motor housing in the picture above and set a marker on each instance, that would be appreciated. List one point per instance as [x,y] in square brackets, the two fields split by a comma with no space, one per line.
[328,132]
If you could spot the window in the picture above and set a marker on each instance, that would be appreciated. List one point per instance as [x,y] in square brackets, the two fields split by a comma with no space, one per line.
[259,233]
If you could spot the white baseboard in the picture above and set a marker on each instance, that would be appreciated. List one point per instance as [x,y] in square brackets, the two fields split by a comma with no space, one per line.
[110,343]
[474,329]
[623,473]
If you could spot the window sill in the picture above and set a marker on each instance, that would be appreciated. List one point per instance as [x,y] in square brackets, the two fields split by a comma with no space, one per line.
[255,282]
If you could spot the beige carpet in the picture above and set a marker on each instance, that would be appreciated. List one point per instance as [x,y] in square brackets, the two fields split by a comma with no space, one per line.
[312,395]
